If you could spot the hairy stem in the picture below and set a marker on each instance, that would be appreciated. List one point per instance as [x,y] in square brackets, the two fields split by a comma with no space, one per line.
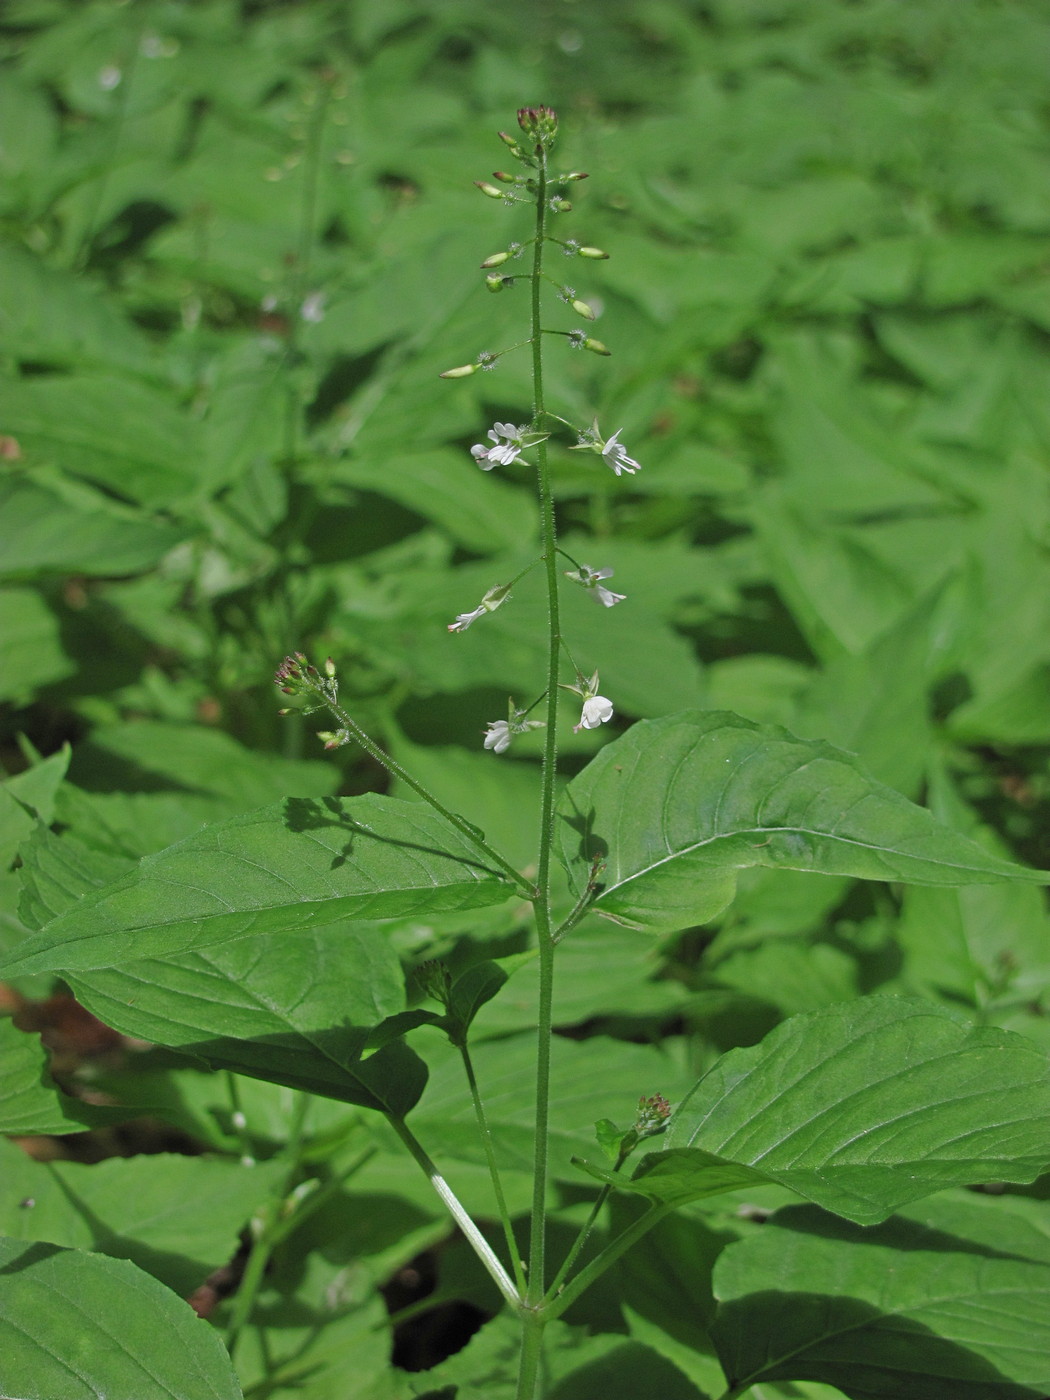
[490,1157]
[455,1208]
[533,1321]
[607,1258]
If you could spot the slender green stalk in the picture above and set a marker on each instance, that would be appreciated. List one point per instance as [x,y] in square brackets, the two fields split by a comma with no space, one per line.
[455,1208]
[581,1240]
[267,1228]
[393,767]
[533,1319]
[607,1258]
[490,1157]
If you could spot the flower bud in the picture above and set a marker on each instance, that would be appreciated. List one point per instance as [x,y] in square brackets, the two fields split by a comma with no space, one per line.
[572,175]
[596,347]
[460,372]
[539,122]
[560,206]
[591,253]
[496,260]
[495,283]
[514,147]
[490,190]
[582,309]
[503,177]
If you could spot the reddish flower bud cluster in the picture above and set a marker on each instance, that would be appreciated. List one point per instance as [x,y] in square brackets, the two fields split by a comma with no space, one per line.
[295,674]
[653,1114]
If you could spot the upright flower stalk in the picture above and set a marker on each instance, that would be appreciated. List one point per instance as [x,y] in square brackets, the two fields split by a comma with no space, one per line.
[506,448]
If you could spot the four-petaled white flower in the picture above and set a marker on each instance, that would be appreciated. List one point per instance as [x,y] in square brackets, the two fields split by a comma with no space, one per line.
[614,455]
[501,731]
[592,580]
[491,601]
[507,449]
[611,451]
[596,710]
[463,620]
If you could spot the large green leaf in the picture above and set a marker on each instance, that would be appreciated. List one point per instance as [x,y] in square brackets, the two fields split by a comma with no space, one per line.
[135,1208]
[862,1108]
[81,1326]
[949,1301]
[77,531]
[300,864]
[676,806]
[294,1008]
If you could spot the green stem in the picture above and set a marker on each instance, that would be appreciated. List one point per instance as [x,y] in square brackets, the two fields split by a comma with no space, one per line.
[455,1208]
[538,1224]
[268,1230]
[581,1240]
[532,1324]
[394,768]
[607,1258]
[490,1157]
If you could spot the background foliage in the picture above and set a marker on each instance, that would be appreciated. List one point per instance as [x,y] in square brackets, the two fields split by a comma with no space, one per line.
[239,243]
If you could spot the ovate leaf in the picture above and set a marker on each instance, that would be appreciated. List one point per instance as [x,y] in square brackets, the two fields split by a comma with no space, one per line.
[675,807]
[949,1301]
[294,1008]
[303,863]
[80,1326]
[862,1108]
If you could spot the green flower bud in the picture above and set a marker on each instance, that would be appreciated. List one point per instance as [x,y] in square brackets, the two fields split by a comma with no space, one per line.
[582,309]
[561,206]
[539,122]
[460,372]
[596,346]
[591,253]
[496,260]
[503,177]
[495,283]
[490,190]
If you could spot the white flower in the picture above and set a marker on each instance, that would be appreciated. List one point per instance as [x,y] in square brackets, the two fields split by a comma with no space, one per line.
[507,449]
[501,731]
[612,452]
[491,601]
[498,736]
[591,579]
[596,710]
[463,620]
[614,455]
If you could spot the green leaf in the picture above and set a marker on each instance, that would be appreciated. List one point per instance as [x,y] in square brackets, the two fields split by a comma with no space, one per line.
[862,1108]
[76,532]
[34,790]
[31,651]
[300,864]
[80,1326]
[30,1102]
[293,1008]
[676,806]
[114,431]
[948,1301]
[135,1208]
